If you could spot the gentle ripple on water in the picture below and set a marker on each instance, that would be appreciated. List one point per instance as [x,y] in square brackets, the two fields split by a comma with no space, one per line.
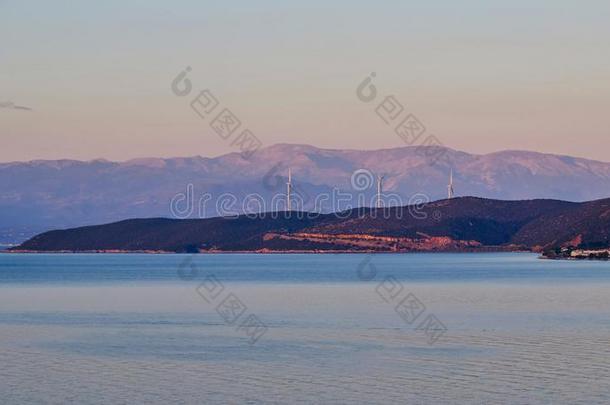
[538,340]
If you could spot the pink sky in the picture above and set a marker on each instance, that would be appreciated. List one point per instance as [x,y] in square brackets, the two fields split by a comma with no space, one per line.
[532,75]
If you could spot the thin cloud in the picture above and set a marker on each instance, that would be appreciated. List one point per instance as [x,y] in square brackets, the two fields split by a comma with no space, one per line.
[12,106]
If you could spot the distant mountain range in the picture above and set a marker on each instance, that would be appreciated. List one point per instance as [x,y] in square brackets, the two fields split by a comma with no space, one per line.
[459,224]
[41,195]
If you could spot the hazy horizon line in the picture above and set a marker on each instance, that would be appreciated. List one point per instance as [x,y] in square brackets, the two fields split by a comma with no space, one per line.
[300,145]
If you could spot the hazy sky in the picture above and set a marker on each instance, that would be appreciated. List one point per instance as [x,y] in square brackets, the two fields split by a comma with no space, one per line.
[481,75]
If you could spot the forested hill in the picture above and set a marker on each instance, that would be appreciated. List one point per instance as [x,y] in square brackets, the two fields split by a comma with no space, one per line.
[466,223]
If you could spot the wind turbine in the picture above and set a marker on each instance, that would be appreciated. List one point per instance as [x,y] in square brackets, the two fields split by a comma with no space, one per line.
[379,187]
[450,185]
[288,191]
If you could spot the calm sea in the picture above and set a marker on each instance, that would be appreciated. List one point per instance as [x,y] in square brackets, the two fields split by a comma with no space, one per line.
[240,328]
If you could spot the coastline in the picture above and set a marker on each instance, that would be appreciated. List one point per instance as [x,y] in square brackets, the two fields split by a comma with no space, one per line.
[267,251]
[300,252]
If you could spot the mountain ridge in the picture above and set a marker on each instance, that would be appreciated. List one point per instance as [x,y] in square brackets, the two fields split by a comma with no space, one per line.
[291,145]
[41,195]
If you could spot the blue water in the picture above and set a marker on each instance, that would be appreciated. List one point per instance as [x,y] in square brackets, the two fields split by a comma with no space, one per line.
[129,328]
[294,268]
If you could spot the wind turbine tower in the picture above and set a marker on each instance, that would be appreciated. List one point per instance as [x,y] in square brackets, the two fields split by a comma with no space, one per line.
[450,193]
[288,191]
[379,186]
